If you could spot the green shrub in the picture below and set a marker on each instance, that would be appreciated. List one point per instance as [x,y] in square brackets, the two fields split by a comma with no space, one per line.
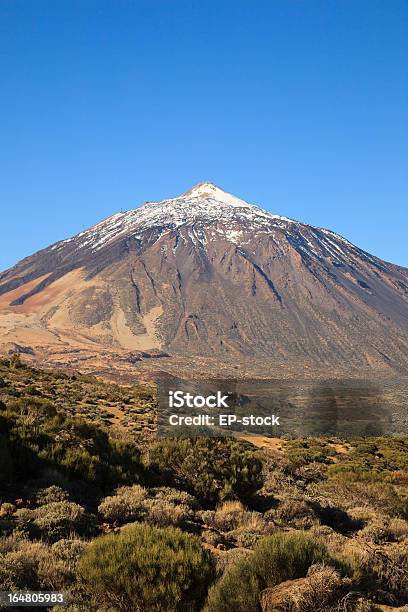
[281,556]
[212,469]
[349,490]
[302,452]
[69,550]
[146,568]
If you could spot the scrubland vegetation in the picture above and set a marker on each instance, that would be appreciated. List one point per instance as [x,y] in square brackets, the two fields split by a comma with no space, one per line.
[124,522]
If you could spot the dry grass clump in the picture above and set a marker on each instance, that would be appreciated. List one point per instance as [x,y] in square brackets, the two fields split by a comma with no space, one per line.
[375,532]
[231,515]
[365,514]
[321,587]
[334,541]
[398,529]
[11,542]
[239,526]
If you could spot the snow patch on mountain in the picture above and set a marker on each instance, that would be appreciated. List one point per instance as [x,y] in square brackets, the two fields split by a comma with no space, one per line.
[203,208]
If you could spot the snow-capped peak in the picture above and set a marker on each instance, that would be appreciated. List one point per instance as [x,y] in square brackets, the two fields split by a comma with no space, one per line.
[203,204]
[209,190]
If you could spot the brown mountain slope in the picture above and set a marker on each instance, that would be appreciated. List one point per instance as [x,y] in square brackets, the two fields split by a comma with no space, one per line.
[208,277]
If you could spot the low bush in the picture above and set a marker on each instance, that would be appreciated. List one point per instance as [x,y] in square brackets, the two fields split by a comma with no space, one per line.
[165,514]
[380,569]
[7,509]
[213,538]
[211,469]
[61,519]
[295,513]
[51,494]
[69,550]
[33,566]
[18,571]
[303,452]
[246,536]
[349,490]
[281,556]
[173,496]
[237,525]
[228,558]
[230,515]
[146,568]
[379,528]
[125,506]
[72,446]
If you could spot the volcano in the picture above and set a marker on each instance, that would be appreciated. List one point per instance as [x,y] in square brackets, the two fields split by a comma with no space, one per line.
[208,277]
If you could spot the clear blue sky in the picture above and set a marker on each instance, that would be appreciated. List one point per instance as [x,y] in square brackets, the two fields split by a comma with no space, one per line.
[298,105]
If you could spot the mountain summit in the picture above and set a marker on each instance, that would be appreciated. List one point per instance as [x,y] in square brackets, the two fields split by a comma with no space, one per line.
[210,191]
[206,275]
